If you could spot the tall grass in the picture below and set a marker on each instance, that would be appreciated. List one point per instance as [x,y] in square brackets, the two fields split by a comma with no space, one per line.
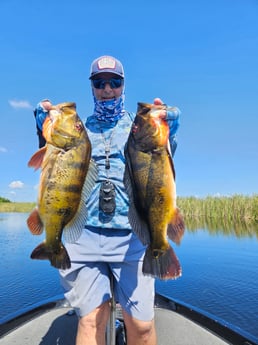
[236,214]
[16,207]
[228,210]
[233,208]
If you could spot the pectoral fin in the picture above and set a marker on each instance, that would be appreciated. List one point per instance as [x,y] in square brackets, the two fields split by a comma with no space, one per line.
[176,228]
[34,223]
[37,159]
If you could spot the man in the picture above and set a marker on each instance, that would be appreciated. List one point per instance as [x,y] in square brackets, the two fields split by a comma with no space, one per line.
[107,245]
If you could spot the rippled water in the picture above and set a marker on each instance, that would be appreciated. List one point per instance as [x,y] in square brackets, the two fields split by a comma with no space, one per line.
[220,274]
[23,282]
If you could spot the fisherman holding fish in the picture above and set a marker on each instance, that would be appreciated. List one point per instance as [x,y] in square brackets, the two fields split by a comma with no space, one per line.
[107,245]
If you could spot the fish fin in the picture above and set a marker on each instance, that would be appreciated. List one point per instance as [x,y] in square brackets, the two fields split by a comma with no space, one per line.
[37,159]
[73,229]
[34,223]
[171,161]
[164,266]
[91,178]
[138,225]
[176,228]
[58,259]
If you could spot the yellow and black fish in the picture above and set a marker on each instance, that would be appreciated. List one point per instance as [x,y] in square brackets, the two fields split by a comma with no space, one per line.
[150,183]
[66,180]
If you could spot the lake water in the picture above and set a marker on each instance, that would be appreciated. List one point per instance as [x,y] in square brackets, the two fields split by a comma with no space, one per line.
[220,273]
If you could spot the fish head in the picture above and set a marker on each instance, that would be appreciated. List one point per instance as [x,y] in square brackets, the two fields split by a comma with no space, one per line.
[150,129]
[63,127]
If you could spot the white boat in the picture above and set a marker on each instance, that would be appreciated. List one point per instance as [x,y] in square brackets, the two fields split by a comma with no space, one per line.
[55,323]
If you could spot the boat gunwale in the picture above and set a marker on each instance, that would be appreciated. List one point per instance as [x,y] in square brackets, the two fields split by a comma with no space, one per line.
[21,319]
[215,326]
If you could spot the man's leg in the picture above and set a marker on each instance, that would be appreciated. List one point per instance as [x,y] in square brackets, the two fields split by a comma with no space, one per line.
[92,327]
[139,332]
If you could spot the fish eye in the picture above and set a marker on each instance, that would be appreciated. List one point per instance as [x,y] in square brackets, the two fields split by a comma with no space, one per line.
[78,126]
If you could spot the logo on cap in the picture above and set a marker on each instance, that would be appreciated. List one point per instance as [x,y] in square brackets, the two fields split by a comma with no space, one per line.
[106,62]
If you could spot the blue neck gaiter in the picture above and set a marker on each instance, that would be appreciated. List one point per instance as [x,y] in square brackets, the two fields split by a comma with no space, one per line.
[111,110]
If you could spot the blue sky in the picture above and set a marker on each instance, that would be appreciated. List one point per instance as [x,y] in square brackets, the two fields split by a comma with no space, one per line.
[199,55]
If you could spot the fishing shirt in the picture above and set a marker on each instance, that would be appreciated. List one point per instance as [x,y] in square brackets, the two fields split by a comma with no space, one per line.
[40,114]
[115,134]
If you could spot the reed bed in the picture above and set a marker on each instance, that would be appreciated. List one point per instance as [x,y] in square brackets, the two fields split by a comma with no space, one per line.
[16,207]
[233,208]
[237,214]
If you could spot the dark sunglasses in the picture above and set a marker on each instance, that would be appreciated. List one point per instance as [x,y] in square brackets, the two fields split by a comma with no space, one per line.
[114,83]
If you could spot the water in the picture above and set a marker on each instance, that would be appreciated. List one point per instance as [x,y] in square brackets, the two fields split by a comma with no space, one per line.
[220,271]
[23,282]
[219,277]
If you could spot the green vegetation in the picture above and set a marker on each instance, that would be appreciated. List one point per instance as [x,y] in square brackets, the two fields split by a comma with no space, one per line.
[235,215]
[4,199]
[233,208]
[16,206]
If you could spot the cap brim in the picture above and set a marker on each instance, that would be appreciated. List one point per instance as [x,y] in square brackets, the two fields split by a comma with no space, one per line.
[106,71]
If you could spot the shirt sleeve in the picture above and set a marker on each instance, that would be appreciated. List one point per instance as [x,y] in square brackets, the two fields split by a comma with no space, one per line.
[40,115]
[173,115]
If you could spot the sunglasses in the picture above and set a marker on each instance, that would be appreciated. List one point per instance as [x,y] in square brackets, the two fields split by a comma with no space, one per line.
[114,83]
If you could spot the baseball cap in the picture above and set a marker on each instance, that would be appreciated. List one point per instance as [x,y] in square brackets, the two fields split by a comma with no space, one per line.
[106,64]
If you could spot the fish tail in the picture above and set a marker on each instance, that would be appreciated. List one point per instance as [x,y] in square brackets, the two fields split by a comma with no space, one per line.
[161,264]
[59,259]
[176,228]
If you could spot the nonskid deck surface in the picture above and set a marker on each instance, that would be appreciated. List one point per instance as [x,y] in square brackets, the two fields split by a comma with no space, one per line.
[58,327]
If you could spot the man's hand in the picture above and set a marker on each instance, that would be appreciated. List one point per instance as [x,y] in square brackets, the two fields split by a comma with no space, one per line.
[46,104]
[158,101]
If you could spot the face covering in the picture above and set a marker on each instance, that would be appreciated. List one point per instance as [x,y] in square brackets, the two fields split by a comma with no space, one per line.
[110,110]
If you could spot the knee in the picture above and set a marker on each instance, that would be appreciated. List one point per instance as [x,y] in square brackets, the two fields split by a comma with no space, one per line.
[141,332]
[89,324]
[145,330]
[95,322]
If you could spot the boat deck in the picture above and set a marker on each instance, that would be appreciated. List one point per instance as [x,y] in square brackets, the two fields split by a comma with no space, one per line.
[58,326]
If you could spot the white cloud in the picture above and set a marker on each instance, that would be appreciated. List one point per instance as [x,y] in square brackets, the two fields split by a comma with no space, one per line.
[16,184]
[20,104]
[3,149]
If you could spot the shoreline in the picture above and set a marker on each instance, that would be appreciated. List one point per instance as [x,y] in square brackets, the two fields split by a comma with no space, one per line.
[235,208]
[6,207]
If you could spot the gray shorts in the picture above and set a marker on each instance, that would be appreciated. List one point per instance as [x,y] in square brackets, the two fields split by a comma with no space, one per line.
[99,253]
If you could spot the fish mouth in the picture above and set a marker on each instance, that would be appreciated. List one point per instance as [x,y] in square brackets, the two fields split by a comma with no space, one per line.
[154,109]
[53,113]
[151,106]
